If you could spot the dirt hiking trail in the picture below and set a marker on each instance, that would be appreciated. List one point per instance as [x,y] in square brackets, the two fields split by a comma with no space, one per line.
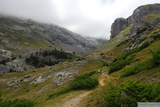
[75,102]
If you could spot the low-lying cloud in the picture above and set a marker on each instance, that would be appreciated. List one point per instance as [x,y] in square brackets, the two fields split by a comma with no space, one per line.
[87,17]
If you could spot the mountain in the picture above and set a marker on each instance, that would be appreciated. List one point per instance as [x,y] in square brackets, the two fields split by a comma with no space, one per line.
[143,17]
[47,34]
[143,20]
[20,38]
[121,73]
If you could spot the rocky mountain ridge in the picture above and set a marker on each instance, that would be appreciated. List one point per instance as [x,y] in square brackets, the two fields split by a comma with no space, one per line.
[20,38]
[143,16]
[53,34]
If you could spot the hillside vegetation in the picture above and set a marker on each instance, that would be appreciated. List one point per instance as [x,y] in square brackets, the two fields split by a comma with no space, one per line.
[121,73]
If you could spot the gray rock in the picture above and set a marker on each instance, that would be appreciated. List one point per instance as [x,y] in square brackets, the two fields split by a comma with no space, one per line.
[38,80]
[117,26]
[3,69]
[136,19]
[60,77]
[13,84]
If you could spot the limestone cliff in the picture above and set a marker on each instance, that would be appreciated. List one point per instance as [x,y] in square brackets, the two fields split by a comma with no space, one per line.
[142,17]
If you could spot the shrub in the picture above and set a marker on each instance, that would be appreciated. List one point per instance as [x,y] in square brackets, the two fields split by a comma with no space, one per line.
[120,64]
[117,66]
[84,83]
[121,59]
[50,57]
[148,64]
[156,57]
[89,74]
[105,64]
[144,45]
[141,30]
[128,94]
[122,56]
[155,37]
[17,103]
[101,53]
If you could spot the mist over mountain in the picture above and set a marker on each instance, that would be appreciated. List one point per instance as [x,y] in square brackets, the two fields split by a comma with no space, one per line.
[20,37]
[45,65]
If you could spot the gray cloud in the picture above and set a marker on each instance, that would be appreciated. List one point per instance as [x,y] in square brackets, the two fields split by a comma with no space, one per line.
[86,17]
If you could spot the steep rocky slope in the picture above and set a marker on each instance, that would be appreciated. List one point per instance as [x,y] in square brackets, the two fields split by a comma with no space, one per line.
[143,17]
[21,30]
[143,20]
[20,38]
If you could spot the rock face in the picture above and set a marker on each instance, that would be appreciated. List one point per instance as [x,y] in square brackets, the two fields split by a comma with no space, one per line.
[144,16]
[142,11]
[118,26]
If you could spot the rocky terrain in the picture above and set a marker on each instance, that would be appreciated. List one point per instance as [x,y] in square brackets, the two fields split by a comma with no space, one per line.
[20,38]
[143,17]
[126,68]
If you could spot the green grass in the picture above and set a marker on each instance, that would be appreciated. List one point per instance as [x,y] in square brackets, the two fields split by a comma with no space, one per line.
[122,43]
[60,92]
[121,60]
[16,103]
[118,66]
[152,17]
[148,64]
[128,94]
[126,31]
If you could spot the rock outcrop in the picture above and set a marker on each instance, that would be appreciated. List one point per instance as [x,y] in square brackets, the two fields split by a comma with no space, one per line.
[117,26]
[144,16]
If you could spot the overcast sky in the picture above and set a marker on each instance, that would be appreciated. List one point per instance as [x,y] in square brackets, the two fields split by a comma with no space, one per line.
[86,17]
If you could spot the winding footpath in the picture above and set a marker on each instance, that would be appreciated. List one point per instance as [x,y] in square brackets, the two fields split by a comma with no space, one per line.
[75,102]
